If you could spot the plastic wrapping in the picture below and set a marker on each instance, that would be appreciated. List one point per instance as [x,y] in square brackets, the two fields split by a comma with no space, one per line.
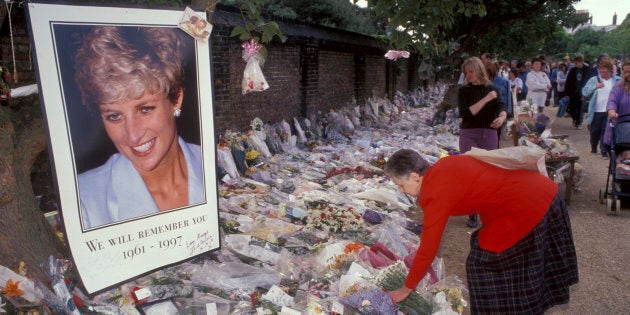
[148,294]
[204,304]
[30,291]
[286,131]
[226,160]
[160,308]
[300,131]
[253,78]
[251,247]
[371,301]
[448,296]
[259,144]
[386,196]
[54,272]
[233,276]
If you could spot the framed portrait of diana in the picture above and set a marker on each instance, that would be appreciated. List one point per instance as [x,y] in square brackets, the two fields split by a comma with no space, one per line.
[127,98]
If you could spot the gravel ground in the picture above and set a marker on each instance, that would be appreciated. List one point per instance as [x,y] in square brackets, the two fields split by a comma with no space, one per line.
[602,241]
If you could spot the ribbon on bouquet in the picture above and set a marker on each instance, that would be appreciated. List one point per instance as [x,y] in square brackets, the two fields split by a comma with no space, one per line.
[251,48]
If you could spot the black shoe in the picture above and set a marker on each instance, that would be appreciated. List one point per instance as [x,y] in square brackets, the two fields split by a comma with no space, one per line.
[472,221]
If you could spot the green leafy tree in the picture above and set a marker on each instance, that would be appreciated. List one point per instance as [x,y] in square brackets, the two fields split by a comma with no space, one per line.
[341,14]
[540,33]
[617,42]
[458,28]
[255,26]
[586,41]
[557,44]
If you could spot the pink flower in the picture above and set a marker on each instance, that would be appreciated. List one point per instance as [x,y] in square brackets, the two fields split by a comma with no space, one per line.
[395,54]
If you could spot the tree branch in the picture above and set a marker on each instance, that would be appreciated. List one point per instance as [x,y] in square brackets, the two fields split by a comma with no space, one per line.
[489,21]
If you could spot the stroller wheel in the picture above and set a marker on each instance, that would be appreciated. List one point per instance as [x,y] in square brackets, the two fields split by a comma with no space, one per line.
[613,205]
[618,207]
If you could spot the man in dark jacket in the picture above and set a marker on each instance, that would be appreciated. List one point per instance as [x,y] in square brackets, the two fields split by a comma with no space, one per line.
[576,78]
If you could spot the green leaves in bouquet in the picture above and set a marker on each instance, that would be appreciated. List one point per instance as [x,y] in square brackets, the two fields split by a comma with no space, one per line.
[255,26]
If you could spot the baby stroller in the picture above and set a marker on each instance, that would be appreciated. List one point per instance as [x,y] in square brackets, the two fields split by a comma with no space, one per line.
[619,166]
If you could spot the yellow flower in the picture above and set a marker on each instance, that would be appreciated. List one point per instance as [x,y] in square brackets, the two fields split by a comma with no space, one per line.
[11,289]
[252,154]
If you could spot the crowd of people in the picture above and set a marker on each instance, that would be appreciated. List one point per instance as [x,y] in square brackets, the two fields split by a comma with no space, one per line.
[583,86]
[522,259]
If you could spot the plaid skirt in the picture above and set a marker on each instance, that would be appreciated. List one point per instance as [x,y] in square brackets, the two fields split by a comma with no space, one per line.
[529,277]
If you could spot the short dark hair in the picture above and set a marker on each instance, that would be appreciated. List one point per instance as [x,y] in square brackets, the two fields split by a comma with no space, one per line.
[405,161]
[602,56]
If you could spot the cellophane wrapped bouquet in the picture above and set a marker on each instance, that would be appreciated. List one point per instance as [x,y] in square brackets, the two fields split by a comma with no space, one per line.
[253,78]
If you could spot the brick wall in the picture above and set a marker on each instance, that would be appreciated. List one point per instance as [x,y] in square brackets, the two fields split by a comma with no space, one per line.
[235,111]
[317,69]
[375,76]
[402,77]
[336,83]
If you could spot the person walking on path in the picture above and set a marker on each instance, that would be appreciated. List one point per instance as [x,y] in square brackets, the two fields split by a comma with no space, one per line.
[538,85]
[618,101]
[597,90]
[576,78]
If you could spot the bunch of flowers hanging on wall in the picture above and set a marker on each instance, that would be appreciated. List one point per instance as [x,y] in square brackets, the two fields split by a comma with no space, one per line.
[396,54]
[255,32]
[253,78]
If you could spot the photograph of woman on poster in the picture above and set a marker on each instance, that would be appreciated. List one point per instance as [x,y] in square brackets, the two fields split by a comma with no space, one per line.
[132,78]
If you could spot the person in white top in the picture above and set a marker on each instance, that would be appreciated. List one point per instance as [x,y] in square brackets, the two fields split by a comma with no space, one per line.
[597,89]
[538,84]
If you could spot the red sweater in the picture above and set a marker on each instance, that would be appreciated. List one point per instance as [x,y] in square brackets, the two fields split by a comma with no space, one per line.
[509,202]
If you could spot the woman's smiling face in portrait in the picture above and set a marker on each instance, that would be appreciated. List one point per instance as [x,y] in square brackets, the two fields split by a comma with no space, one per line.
[143,130]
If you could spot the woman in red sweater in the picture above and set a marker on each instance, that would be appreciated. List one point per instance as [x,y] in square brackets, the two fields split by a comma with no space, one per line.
[522,260]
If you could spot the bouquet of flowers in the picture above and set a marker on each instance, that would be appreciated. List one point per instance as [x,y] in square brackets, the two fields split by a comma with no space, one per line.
[253,78]
[253,158]
[334,219]
[393,278]
[452,297]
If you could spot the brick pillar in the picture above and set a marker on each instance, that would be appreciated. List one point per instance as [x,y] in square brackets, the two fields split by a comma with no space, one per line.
[390,81]
[309,62]
[219,56]
[412,73]
[220,65]
[359,77]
